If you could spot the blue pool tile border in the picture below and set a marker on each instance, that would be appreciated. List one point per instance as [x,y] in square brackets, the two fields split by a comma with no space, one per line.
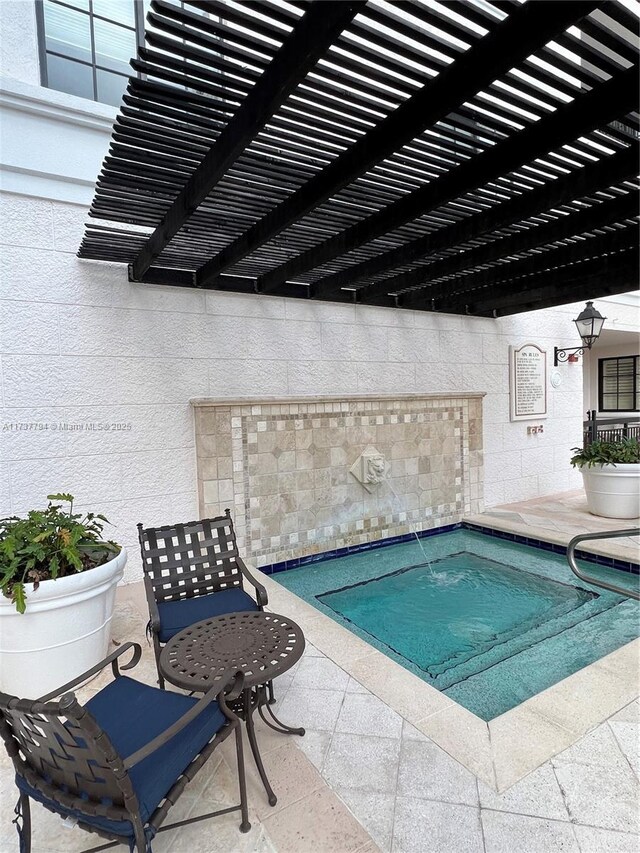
[354,549]
[609,562]
[598,559]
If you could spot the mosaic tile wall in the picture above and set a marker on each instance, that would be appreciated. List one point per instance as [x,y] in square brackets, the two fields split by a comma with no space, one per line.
[283,467]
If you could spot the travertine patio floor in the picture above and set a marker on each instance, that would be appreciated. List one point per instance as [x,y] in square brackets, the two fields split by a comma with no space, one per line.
[365,779]
[362,772]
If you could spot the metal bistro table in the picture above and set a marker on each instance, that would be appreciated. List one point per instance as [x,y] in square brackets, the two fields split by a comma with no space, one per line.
[261,645]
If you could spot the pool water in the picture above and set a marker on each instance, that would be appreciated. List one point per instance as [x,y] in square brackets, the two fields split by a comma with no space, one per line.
[488,622]
[442,615]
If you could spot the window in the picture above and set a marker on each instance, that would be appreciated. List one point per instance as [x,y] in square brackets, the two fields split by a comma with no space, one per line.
[618,384]
[86,45]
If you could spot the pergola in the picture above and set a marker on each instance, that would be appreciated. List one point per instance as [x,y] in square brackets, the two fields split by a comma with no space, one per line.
[468,157]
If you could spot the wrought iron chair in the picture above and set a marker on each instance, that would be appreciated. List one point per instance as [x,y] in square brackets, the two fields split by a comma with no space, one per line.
[116,765]
[193,571]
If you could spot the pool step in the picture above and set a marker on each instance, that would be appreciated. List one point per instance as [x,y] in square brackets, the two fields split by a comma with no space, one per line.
[499,688]
[520,640]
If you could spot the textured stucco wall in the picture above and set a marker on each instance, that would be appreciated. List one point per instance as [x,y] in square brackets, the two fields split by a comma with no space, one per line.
[18,41]
[79,344]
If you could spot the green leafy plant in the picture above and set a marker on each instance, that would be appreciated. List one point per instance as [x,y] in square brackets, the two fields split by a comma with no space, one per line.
[622,452]
[49,543]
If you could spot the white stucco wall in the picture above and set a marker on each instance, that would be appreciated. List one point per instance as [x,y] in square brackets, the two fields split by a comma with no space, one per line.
[18,41]
[80,344]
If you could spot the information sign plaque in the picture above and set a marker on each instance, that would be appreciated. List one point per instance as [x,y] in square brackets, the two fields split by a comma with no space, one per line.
[528,383]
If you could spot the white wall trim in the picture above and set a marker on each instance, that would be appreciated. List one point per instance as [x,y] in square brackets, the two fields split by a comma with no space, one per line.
[41,185]
[51,144]
[632,298]
[59,106]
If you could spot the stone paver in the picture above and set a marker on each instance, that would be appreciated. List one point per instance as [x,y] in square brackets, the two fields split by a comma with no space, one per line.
[424,825]
[413,797]
[428,773]
[537,795]
[514,833]
[601,796]
[362,762]
[365,714]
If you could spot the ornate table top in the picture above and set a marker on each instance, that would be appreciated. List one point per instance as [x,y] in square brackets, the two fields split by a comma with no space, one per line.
[261,645]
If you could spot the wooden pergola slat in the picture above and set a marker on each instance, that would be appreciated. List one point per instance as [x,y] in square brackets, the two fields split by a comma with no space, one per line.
[459,157]
[519,35]
[593,109]
[588,219]
[473,290]
[605,276]
[310,38]
[591,178]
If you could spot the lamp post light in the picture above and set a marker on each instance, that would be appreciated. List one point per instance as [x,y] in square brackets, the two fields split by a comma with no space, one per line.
[589,323]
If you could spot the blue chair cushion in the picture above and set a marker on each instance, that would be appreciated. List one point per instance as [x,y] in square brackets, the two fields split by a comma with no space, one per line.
[132,714]
[177,615]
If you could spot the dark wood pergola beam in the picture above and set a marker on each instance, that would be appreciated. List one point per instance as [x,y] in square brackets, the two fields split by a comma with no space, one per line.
[599,215]
[527,28]
[609,282]
[621,166]
[311,37]
[590,279]
[521,276]
[587,112]
[583,221]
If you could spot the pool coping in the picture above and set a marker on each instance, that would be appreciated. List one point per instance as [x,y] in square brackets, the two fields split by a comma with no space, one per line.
[607,552]
[499,752]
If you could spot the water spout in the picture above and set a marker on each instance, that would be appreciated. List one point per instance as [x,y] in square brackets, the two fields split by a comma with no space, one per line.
[412,525]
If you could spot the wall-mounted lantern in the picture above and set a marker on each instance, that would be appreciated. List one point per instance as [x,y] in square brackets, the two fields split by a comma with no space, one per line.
[589,323]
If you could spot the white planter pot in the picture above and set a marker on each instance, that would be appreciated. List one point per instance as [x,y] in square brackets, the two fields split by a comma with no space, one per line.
[65,630]
[613,491]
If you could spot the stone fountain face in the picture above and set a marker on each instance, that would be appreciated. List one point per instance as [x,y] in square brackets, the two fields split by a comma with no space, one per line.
[370,468]
[285,466]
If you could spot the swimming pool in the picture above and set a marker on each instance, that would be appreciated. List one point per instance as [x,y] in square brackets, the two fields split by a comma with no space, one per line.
[488,622]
